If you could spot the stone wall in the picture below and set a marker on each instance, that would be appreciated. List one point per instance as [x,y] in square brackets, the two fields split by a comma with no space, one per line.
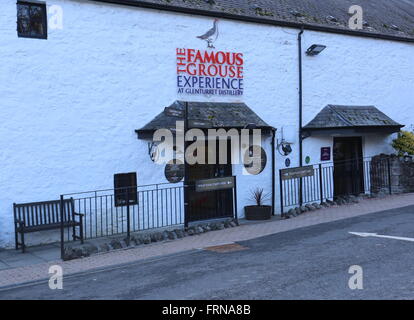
[401,172]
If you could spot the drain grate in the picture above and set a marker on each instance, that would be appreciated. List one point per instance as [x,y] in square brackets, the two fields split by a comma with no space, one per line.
[231,247]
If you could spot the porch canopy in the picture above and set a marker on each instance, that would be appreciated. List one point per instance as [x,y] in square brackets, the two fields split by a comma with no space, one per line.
[334,119]
[205,115]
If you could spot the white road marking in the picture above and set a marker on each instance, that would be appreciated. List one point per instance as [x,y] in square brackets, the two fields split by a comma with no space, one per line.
[365,234]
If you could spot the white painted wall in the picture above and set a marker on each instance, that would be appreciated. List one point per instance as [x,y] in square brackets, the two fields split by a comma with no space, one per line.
[70,104]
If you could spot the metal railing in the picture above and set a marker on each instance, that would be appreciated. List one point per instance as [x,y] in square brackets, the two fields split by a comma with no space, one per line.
[112,212]
[331,180]
[125,210]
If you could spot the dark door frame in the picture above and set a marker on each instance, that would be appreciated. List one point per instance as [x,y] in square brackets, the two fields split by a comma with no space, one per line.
[349,169]
[190,184]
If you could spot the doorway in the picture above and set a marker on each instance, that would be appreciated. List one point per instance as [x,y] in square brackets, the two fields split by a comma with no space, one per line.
[212,204]
[348,170]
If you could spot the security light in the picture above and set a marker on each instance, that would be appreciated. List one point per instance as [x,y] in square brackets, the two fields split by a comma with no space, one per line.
[315,49]
[153,151]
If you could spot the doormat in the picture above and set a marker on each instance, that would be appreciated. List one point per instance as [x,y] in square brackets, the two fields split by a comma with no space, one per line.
[231,247]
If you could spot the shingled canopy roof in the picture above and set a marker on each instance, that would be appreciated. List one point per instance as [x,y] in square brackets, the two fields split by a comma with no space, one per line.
[217,115]
[337,119]
[381,17]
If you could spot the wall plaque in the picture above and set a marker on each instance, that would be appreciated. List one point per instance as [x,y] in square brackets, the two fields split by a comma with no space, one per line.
[174,171]
[287,162]
[325,153]
[259,161]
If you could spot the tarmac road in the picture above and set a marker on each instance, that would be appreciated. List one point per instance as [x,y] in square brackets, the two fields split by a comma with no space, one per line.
[306,263]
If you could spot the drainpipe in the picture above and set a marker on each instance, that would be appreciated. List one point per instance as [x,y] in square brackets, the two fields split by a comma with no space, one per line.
[185,168]
[300,112]
[300,96]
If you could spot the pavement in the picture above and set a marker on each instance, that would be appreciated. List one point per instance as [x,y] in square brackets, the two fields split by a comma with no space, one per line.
[307,263]
[19,269]
[10,258]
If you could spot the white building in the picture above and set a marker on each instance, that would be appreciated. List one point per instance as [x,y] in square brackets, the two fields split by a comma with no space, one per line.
[77,85]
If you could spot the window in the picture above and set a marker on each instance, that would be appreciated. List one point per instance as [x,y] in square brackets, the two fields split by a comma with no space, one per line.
[31,20]
[125,186]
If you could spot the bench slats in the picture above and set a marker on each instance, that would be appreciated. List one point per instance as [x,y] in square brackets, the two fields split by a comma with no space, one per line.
[52,208]
[41,213]
[46,215]
[45,227]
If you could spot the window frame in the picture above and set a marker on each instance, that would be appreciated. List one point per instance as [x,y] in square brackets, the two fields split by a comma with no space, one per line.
[43,7]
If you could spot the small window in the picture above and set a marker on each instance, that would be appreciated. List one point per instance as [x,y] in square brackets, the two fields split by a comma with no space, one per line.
[31,20]
[125,186]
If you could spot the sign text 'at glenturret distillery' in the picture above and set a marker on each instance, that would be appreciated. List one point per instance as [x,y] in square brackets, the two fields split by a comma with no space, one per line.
[209,72]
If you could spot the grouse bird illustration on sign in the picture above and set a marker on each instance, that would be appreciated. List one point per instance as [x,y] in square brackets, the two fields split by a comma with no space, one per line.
[211,35]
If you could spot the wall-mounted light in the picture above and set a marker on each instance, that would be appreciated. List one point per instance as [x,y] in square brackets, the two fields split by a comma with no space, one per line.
[285,146]
[315,49]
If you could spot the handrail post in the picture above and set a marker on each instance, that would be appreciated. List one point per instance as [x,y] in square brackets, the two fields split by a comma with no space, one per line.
[62,231]
[128,217]
[186,176]
[185,186]
[320,182]
[156,198]
[389,176]
[236,217]
[281,193]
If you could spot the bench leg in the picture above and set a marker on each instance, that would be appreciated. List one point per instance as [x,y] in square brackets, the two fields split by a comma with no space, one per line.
[74,233]
[81,229]
[16,238]
[23,245]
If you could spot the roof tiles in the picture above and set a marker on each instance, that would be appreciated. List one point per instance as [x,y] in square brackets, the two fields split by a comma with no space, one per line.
[386,17]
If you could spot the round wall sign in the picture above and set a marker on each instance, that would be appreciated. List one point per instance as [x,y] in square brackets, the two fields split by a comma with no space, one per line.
[287,162]
[307,160]
[259,160]
[174,171]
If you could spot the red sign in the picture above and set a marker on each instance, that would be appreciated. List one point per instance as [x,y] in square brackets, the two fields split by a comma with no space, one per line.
[209,72]
[325,153]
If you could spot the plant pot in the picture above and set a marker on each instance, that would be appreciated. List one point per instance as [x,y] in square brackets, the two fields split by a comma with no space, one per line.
[258,212]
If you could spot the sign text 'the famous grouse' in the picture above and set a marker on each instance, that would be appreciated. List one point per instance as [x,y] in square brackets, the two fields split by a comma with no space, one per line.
[209,72]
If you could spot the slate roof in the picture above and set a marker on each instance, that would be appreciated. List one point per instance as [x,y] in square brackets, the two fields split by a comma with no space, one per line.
[220,115]
[334,116]
[386,17]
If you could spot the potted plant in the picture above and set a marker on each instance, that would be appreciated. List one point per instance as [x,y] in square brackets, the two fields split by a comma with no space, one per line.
[259,211]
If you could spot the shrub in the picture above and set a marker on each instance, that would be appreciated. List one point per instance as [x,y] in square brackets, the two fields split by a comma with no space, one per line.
[258,196]
[404,144]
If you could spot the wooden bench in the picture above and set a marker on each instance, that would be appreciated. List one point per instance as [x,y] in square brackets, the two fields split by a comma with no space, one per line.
[42,216]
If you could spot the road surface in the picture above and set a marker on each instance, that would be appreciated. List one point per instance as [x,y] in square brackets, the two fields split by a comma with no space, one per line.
[306,263]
